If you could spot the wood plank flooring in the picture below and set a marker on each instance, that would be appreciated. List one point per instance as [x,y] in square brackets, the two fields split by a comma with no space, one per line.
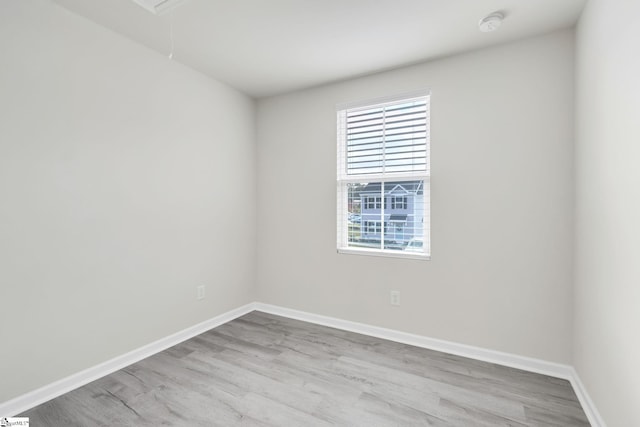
[265,370]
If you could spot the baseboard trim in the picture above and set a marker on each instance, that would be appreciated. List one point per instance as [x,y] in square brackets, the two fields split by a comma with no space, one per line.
[585,400]
[29,400]
[539,366]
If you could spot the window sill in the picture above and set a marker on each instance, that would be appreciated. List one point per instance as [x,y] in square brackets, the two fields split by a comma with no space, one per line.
[384,253]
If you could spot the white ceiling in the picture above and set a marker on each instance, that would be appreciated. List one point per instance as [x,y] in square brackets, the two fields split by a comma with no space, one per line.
[265,47]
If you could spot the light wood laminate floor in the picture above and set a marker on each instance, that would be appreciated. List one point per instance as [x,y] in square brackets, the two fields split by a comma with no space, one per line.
[266,370]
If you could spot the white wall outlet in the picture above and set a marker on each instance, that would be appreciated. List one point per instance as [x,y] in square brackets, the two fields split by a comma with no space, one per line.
[395,297]
[200,292]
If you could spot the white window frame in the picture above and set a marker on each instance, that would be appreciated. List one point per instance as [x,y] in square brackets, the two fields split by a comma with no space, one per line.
[344,178]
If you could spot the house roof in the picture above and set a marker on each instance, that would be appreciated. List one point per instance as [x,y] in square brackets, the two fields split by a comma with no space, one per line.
[414,187]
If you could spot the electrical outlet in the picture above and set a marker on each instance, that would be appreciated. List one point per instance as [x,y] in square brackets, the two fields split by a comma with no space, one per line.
[200,292]
[395,297]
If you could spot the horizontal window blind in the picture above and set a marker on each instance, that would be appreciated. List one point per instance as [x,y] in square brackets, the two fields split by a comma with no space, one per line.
[386,138]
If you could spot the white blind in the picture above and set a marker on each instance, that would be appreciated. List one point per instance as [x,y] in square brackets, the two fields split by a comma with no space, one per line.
[386,138]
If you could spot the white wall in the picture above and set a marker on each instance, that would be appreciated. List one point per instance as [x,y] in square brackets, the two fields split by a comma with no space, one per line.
[125,181]
[502,203]
[607,268]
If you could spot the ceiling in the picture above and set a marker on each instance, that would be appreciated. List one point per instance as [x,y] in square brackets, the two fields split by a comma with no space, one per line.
[266,47]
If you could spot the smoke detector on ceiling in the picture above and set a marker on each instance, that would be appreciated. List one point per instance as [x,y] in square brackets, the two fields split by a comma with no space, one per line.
[491,22]
[158,7]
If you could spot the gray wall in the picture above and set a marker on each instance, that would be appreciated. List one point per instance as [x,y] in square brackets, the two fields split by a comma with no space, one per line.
[502,203]
[119,178]
[607,268]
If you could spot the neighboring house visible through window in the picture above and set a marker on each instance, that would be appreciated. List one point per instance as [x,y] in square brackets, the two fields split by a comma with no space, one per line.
[383,177]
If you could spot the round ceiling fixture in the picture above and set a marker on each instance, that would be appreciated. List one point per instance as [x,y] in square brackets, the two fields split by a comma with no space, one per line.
[491,22]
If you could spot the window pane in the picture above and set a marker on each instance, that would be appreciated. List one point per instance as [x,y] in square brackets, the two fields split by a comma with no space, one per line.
[399,225]
[362,230]
[404,223]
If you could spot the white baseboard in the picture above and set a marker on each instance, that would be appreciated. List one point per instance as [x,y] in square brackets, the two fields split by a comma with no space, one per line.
[50,391]
[587,404]
[29,400]
[539,366]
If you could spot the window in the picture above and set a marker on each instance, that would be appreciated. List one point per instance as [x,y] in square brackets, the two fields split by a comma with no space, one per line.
[384,177]
[372,227]
[399,202]
[372,202]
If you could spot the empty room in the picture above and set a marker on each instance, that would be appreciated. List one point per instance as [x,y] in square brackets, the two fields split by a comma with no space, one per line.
[319,213]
